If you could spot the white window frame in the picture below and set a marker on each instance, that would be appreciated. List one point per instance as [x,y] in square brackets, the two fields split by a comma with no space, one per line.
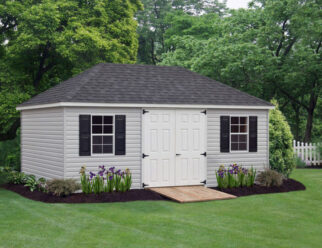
[103,134]
[247,134]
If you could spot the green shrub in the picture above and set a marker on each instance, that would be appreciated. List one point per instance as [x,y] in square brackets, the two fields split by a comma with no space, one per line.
[31,182]
[10,153]
[270,178]
[281,156]
[319,148]
[62,187]
[16,177]
[299,163]
[42,184]
[5,172]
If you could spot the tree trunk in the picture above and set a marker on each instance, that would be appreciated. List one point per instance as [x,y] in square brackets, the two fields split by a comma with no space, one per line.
[296,109]
[310,115]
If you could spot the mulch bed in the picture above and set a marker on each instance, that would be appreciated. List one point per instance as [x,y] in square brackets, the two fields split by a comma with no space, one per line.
[287,186]
[144,195]
[132,195]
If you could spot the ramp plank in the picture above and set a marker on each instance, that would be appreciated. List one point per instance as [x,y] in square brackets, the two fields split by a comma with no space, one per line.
[191,193]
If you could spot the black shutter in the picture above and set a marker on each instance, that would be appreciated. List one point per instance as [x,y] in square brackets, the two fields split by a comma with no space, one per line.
[224,133]
[84,135]
[120,121]
[253,133]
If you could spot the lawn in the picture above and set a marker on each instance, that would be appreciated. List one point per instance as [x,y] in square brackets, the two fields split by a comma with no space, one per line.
[274,220]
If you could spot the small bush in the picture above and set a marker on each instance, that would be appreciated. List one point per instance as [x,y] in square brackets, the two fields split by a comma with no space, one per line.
[31,182]
[62,187]
[5,172]
[299,162]
[16,177]
[270,178]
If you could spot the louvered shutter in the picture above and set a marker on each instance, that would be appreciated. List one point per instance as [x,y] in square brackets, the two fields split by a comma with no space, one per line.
[224,133]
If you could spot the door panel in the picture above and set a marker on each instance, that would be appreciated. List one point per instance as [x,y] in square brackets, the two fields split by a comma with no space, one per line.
[170,132]
[190,143]
[159,144]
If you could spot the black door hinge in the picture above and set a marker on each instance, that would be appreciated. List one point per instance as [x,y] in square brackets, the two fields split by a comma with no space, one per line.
[144,185]
[204,154]
[144,155]
[204,112]
[204,181]
[144,111]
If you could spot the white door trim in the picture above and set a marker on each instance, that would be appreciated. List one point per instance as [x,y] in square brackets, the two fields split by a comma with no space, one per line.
[143,148]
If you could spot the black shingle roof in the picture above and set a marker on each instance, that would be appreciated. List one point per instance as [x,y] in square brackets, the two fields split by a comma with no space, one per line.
[143,84]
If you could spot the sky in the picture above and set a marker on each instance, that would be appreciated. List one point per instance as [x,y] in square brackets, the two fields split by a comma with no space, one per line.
[236,4]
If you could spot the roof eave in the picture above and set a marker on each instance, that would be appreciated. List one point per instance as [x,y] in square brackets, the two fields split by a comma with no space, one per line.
[141,105]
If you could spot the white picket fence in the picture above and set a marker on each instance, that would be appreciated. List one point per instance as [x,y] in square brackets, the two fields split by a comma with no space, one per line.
[307,152]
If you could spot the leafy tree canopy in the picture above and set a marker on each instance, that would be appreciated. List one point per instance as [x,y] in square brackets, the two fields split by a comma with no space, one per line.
[154,21]
[269,50]
[43,42]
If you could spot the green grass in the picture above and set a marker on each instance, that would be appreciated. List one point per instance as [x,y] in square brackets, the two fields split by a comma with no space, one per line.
[275,220]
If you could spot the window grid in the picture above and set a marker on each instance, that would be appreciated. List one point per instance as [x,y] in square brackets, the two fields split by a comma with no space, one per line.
[238,133]
[102,128]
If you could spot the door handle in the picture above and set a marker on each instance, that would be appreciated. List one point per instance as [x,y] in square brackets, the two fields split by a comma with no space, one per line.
[177,154]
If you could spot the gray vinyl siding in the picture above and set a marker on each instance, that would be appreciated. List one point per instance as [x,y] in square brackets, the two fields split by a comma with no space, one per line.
[131,160]
[50,143]
[259,159]
[42,142]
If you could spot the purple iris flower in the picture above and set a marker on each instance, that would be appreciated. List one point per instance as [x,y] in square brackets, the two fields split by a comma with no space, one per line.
[91,175]
[110,178]
[221,174]
[101,173]
[118,172]
[102,167]
[112,169]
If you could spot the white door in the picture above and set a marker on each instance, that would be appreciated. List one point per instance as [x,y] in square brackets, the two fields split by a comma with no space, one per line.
[159,146]
[173,141]
[190,145]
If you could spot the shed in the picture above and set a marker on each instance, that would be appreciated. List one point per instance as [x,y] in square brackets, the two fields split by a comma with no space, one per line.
[168,125]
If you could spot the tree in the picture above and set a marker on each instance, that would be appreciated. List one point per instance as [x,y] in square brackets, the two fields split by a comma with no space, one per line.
[154,22]
[44,42]
[270,50]
[281,157]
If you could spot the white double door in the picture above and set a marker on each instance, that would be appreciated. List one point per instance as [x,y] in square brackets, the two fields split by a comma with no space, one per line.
[174,143]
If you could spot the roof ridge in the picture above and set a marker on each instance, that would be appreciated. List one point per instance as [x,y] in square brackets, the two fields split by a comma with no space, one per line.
[89,71]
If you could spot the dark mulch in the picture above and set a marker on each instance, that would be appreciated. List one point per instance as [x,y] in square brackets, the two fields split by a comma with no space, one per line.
[144,195]
[132,195]
[287,186]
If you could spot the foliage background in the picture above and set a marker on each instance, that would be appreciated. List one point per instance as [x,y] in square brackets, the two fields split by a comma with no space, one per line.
[270,50]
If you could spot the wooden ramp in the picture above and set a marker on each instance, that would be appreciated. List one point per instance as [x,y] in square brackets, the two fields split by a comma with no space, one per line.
[191,193]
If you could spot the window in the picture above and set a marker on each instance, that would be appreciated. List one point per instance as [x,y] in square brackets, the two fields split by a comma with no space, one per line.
[238,133]
[102,134]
